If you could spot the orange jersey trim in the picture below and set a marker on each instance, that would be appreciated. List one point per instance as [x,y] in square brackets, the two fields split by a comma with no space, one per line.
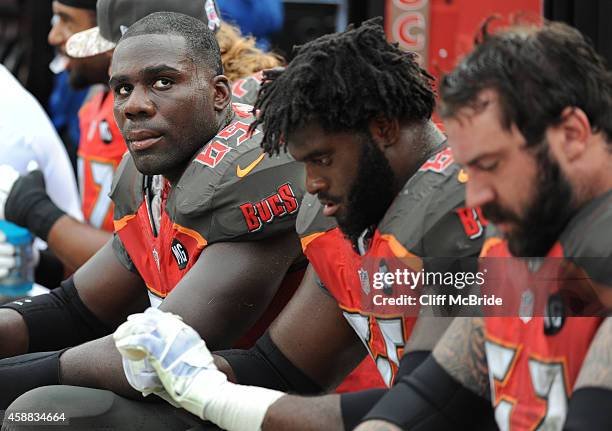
[310,238]
[122,222]
[161,295]
[192,233]
[488,245]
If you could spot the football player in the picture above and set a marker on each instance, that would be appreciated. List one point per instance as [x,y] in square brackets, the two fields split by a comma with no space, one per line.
[186,197]
[383,188]
[528,116]
[102,146]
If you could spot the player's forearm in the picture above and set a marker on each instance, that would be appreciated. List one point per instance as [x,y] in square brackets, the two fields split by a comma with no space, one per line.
[74,242]
[96,364]
[377,425]
[304,414]
[13,334]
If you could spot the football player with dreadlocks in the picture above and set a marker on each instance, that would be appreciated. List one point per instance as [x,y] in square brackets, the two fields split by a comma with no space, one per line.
[383,187]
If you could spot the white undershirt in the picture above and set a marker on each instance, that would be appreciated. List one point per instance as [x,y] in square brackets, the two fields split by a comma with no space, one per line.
[27,134]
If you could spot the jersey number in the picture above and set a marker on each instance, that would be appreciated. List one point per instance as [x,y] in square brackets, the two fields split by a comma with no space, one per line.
[392,331]
[102,177]
[547,380]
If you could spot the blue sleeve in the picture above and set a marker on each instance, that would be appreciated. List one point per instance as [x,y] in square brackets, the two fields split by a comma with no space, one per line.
[256,17]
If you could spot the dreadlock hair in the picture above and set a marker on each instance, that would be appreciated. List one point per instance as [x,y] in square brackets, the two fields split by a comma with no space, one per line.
[239,54]
[342,81]
[537,72]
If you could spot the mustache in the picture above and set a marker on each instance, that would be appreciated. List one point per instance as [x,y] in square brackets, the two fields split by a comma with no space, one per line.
[323,196]
[497,214]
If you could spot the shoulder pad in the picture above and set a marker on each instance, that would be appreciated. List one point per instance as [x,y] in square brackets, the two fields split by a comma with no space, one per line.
[589,233]
[428,216]
[310,218]
[587,240]
[232,190]
[245,90]
[126,190]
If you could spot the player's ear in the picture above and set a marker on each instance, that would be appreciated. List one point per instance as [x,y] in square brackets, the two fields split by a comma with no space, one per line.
[569,139]
[385,132]
[223,92]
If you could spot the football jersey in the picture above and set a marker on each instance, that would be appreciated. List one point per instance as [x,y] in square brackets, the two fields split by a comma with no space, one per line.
[100,151]
[244,90]
[426,219]
[534,359]
[230,191]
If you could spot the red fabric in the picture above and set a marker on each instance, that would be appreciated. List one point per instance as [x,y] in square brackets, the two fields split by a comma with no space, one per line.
[95,154]
[523,360]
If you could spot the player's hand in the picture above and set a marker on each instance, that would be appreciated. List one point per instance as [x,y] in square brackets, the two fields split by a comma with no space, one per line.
[8,176]
[8,260]
[175,351]
[142,376]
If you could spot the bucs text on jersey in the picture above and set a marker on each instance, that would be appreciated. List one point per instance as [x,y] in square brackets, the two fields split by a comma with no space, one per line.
[535,357]
[426,219]
[228,186]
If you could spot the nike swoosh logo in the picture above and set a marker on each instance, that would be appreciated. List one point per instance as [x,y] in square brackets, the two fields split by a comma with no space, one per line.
[244,172]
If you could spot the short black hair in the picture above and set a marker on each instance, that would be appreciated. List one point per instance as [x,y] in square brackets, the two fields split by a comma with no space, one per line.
[342,81]
[537,71]
[200,40]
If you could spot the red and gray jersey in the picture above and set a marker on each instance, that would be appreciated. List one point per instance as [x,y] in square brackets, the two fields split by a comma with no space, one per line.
[244,90]
[426,219]
[100,151]
[533,361]
[230,191]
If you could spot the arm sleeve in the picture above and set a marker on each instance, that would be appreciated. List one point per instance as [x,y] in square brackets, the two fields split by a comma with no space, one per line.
[589,409]
[430,399]
[355,405]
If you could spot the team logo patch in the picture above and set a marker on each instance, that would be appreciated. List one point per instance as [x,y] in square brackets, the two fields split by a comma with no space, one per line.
[554,319]
[278,205]
[364,280]
[180,253]
[156,258]
[526,307]
[105,132]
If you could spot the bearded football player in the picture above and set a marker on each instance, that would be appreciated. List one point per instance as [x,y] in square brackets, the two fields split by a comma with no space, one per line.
[185,197]
[383,186]
[528,115]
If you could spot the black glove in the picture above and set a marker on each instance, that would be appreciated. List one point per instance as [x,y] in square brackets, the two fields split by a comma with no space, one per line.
[28,205]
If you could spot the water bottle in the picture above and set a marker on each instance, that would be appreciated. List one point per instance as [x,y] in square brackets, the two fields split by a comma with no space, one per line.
[19,281]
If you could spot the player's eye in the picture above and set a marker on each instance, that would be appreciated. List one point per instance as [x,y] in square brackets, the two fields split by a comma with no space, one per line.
[487,165]
[162,84]
[323,161]
[123,90]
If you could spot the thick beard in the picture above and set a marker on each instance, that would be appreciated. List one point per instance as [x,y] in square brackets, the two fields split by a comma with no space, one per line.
[547,215]
[371,194]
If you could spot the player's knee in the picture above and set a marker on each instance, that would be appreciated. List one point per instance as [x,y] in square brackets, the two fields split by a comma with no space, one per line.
[60,404]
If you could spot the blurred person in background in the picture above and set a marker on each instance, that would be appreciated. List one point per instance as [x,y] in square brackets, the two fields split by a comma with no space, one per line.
[71,86]
[102,146]
[257,18]
[27,140]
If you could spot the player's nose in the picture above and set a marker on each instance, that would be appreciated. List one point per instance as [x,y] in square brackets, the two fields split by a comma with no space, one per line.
[138,104]
[477,193]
